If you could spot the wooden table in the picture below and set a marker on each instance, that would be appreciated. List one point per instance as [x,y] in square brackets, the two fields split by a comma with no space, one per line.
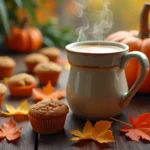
[30,140]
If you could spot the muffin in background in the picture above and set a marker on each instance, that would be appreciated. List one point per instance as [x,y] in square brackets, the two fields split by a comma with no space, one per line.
[48,116]
[33,59]
[52,53]
[3,90]
[7,65]
[21,85]
[48,71]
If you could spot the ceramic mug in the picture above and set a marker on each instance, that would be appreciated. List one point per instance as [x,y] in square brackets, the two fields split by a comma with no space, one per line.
[97,86]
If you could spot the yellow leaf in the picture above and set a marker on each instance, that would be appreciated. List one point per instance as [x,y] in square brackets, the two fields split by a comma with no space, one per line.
[67,66]
[77,133]
[5,113]
[5,80]
[10,108]
[22,106]
[20,111]
[105,137]
[100,127]
[87,130]
[75,139]
[100,132]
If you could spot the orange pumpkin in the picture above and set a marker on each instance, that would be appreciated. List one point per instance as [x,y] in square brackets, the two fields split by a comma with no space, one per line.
[24,39]
[139,41]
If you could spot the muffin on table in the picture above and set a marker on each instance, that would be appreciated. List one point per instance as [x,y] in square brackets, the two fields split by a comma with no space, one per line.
[33,59]
[21,85]
[7,65]
[48,71]
[3,90]
[52,53]
[48,116]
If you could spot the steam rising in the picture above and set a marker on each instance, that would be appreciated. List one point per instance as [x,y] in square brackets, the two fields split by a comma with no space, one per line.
[96,23]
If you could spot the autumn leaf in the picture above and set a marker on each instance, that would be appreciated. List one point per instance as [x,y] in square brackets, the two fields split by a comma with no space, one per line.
[9,131]
[64,63]
[5,80]
[138,128]
[100,132]
[48,92]
[19,112]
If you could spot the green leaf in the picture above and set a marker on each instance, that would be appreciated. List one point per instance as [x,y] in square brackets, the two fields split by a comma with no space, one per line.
[4,16]
[48,42]
[30,6]
[19,3]
[60,1]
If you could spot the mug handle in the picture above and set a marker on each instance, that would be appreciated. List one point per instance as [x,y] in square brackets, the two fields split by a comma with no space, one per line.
[144,63]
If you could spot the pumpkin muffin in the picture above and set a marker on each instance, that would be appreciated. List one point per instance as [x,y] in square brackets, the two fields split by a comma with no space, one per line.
[3,90]
[48,71]
[33,59]
[7,65]
[21,85]
[52,53]
[48,116]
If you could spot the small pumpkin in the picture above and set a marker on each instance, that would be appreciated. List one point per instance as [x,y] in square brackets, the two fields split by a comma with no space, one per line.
[139,41]
[24,39]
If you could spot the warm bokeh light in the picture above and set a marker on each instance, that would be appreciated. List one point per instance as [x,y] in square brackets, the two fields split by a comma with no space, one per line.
[126,14]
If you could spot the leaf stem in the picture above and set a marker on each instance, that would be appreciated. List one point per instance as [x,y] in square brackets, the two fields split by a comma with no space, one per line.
[121,121]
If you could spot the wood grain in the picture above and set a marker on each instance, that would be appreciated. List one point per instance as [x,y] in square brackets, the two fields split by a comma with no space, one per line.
[29,140]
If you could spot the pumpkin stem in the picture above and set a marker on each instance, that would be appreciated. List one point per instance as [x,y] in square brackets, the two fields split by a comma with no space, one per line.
[144,29]
[24,23]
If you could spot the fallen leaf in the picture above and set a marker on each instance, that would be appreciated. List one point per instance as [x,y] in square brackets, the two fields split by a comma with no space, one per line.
[48,92]
[5,80]
[64,62]
[100,132]
[9,131]
[138,128]
[19,112]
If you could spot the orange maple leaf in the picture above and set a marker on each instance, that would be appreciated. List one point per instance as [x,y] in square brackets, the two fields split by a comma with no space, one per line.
[48,92]
[100,132]
[9,131]
[140,127]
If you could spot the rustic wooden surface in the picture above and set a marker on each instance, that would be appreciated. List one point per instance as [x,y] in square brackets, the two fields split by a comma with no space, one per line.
[30,140]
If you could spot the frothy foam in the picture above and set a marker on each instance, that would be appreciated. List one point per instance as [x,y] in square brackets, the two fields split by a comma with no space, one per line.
[99,49]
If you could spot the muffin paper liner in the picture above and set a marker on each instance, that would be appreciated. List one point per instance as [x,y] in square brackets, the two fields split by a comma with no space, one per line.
[47,126]
[6,71]
[45,77]
[1,99]
[21,91]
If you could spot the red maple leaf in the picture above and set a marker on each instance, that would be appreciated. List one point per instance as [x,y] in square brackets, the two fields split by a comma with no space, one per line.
[9,131]
[140,127]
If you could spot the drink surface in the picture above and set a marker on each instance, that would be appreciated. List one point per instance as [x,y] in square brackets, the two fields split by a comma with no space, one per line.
[98,49]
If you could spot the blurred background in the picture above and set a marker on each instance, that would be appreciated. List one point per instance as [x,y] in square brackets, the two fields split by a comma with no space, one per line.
[58,21]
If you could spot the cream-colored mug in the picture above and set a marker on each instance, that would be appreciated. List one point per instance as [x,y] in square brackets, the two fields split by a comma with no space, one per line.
[97,86]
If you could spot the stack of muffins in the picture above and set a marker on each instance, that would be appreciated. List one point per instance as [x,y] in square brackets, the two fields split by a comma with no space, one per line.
[7,66]
[44,65]
[47,116]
